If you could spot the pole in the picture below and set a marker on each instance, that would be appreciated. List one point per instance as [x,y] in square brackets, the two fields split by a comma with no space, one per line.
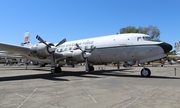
[175,71]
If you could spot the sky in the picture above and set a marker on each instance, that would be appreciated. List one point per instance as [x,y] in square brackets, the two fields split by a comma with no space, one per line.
[54,20]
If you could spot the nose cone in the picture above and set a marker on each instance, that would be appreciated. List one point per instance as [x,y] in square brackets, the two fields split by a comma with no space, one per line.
[166,47]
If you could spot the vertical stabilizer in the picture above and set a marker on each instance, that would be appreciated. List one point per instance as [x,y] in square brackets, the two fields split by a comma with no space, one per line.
[177,47]
[26,42]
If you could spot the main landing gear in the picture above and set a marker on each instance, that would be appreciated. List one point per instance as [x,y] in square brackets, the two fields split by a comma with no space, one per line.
[56,69]
[91,68]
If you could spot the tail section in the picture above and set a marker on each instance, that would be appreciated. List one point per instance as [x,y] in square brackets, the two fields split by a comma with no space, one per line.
[26,42]
[177,47]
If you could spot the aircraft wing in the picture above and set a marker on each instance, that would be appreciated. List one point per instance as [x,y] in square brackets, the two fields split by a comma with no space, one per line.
[14,49]
[10,55]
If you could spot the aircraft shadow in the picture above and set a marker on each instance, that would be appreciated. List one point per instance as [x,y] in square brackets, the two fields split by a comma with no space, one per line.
[118,73]
[95,74]
[46,76]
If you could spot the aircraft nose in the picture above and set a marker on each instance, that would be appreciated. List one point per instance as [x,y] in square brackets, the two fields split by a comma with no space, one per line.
[166,47]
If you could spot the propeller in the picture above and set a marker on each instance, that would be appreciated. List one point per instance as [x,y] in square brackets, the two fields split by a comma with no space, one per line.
[51,49]
[61,42]
[85,55]
[41,40]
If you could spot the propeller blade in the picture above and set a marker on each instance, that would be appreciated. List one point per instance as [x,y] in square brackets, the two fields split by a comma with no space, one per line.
[79,47]
[92,49]
[86,55]
[61,42]
[87,67]
[53,66]
[41,40]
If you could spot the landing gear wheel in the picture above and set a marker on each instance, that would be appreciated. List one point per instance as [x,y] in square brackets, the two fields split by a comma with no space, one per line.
[56,70]
[91,68]
[73,65]
[145,72]
[52,71]
[43,65]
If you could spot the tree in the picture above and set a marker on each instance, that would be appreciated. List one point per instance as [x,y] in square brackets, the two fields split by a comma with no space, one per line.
[129,29]
[152,31]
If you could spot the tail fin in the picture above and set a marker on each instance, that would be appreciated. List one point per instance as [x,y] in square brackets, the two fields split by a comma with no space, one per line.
[177,46]
[26,42]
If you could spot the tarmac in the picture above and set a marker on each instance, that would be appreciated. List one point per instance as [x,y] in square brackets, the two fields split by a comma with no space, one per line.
[107,87]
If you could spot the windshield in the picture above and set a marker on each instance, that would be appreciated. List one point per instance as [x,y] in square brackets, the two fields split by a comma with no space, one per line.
[146,38]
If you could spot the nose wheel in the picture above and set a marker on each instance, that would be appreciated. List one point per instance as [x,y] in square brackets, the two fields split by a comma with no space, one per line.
[145,72]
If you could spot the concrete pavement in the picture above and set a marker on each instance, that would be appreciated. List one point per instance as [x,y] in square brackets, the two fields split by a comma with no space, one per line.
[107,87]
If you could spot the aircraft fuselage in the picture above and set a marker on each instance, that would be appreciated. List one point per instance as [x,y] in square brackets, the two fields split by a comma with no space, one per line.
[115,48]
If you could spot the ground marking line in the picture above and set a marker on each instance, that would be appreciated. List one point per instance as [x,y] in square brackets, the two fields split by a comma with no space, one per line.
[21,95]
[135,99]
[28,96]
[88,93]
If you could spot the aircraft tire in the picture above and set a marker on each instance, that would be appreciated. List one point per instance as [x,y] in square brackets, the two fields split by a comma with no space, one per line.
[91,68]
[145,72]
[42,65]
[58,69]
[52,71]
[72,65]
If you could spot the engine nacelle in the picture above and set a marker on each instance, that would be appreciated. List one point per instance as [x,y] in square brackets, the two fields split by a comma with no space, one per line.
[41,50]
[75,55]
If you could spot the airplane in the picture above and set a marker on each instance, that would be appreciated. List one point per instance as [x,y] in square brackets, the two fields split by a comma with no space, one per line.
[98,50]
[177,46]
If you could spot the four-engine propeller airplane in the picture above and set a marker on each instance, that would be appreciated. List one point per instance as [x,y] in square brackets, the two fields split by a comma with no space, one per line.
[99,50]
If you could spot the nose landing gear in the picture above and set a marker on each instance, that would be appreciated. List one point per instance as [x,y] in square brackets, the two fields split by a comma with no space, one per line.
[145,72]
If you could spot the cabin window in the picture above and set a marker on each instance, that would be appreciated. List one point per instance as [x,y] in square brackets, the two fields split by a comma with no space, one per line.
[74,48]
[92,46]
[60,50]
[86,47]
[70,48]
[139,39]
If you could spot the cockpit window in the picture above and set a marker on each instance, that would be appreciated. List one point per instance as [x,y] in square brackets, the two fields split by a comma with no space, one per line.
[146,38]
